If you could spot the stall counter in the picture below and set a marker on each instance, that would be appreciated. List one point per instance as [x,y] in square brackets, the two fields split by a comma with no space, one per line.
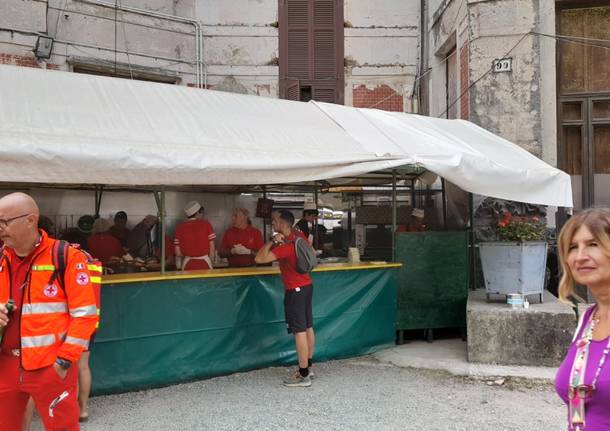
[235,272]
[158,330]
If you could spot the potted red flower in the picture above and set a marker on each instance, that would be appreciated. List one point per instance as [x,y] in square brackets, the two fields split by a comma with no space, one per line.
[516,262]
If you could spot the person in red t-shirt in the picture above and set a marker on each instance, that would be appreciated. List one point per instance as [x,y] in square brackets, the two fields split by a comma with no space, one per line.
[194,241]
[416,223]
[242,241]
[102,244]
[119,229]
[298,294]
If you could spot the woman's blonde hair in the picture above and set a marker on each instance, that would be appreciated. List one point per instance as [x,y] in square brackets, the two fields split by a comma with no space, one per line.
[597,220]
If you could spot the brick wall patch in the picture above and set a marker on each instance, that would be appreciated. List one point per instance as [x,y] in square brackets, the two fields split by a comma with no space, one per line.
[23,60]
[381,97]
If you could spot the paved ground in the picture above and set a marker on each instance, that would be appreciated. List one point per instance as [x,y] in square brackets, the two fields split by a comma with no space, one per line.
[451,356]
[355,394]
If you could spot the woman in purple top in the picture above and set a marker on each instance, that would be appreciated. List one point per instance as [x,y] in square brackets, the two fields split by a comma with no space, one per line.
[583,379]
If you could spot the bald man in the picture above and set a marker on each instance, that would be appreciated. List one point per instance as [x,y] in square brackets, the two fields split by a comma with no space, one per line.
[50,326]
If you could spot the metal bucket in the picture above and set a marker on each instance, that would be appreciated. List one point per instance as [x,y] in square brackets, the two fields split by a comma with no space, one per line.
[512,267]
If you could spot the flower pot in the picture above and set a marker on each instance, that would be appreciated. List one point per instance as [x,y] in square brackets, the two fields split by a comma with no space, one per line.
[514,267]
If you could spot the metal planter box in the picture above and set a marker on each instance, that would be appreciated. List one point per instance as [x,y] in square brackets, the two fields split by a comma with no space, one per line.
[513,267]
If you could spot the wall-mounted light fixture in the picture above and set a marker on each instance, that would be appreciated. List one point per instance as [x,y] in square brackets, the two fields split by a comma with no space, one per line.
[44,46]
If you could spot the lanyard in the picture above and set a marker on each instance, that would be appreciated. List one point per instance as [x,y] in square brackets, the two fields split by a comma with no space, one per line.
[579,391]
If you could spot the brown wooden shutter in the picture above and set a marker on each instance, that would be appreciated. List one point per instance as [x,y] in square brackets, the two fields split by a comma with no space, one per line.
[327,58]
[311,47]
[323,93]
[294,25]
[298,39]
[323,32]
[290,89]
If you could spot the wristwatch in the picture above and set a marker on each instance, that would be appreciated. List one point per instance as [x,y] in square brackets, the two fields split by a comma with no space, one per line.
[65,364]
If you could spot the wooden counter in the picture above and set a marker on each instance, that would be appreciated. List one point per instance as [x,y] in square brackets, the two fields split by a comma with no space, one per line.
[235,272]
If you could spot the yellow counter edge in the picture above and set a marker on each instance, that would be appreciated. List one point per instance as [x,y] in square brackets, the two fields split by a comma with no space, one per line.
[233,272]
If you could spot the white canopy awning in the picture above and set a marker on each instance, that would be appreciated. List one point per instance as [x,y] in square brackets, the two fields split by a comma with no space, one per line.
[67,128]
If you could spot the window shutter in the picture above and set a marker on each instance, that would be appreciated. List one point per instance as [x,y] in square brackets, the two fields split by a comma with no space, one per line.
[325,93]
[290,89]
[311,48]
[294,39]
[298,39]
[324,55]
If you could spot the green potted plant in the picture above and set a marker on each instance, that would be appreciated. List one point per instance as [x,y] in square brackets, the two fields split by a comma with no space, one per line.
[516,261]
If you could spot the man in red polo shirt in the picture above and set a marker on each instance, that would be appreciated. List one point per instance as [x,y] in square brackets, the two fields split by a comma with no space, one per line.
[242,241]
[194,240]
[298,294]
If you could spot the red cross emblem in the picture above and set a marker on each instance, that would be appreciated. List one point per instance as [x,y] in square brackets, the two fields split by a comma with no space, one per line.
[82,278]
[50,291]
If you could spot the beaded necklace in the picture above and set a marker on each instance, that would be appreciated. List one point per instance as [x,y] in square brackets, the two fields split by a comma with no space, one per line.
[579,391]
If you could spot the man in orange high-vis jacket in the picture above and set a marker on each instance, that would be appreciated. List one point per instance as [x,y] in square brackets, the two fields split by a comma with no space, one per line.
[50,326]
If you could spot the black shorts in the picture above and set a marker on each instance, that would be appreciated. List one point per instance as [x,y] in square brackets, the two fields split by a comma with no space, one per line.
[298,309]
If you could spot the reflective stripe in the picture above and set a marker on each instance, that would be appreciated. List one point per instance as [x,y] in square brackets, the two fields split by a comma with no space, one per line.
[95,279]
[97,268]
[43,267]
[38,341]
[44,307]
[78,342]
[88,310]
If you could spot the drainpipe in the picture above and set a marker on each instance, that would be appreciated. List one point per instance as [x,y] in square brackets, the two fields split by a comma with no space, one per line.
[418,67]
[423,52]
[394,214]
[200,65]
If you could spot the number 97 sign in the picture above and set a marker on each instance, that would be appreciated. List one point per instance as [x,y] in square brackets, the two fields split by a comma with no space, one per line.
[502,65]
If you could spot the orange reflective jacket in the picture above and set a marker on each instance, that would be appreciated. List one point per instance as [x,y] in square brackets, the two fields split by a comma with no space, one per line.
[55,321]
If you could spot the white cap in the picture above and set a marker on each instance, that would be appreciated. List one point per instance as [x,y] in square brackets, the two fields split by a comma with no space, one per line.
[192,208]
[101,225]
[417,213]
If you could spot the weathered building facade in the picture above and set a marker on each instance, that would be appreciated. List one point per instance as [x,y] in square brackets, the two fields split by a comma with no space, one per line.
[536,72]
[345,51]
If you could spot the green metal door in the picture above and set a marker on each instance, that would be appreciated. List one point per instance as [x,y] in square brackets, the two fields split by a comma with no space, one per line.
[433,283]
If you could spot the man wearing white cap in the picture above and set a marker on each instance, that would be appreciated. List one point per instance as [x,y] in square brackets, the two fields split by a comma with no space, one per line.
[307,223]
[194,241]
[417,221]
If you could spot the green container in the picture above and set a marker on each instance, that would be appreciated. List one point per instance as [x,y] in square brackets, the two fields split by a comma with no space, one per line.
[433,286]
[159,333]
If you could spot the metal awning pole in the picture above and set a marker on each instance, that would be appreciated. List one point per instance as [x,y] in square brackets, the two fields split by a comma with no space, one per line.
[99,191]
[413,203]
[315,223]
[472,254]
[444,197]
[394,215]
[162,222]
[264,218]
